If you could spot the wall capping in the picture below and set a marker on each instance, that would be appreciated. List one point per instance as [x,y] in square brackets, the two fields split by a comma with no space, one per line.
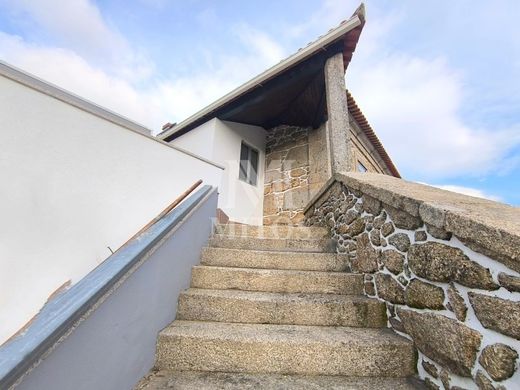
[42,86]
[455,298]
[56,92]
[490,227]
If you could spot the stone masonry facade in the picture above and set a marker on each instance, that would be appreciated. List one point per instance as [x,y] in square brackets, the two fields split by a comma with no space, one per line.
[297,165]
[460,307]
[295,169]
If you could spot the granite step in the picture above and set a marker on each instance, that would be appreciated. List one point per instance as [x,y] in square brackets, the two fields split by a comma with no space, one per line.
[284,349]
[225,257]
[277,308]
[281,281]
[273,244]
[272,231]
[190,380]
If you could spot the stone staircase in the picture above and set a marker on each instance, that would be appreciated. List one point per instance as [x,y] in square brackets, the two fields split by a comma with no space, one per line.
[273,308]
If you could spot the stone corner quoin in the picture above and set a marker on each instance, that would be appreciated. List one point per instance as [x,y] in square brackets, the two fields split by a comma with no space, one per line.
[434,257]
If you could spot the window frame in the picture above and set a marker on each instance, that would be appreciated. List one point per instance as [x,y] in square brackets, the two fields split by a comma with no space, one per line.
[248,175]
[360,165]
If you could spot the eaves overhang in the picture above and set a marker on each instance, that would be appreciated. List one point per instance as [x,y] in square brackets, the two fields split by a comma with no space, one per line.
[304,64]
[362,122]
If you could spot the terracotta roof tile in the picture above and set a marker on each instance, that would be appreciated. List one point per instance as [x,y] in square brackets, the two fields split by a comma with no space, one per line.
[356,113]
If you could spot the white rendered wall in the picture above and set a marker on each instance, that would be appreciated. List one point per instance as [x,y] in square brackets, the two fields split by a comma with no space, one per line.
[73,184]
[241,201]
[200,141]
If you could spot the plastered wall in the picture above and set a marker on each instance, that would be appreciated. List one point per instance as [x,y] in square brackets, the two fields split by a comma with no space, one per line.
[74,187]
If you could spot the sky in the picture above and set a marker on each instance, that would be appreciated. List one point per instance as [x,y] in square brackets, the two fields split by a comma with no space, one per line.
[439,81]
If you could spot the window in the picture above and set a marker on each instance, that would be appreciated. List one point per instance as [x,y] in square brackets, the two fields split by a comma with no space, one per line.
[361,167]
[248,164]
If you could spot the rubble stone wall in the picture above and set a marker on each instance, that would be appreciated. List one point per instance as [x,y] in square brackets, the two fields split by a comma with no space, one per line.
[447,267]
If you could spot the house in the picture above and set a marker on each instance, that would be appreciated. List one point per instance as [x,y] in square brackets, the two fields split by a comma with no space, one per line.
[284,133]
[390,284]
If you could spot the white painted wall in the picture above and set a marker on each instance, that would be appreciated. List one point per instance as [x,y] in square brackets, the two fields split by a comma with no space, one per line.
[241,201]
[220,141]
[200,140]
[71,185]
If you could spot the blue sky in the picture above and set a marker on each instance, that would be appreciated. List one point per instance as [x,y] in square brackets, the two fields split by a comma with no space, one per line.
[438,80]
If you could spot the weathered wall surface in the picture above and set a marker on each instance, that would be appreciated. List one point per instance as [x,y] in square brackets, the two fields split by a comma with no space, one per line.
[296,167]
[446,265]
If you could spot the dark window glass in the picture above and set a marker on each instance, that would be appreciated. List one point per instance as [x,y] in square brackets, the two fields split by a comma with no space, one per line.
[253,158]
[248,171]
[244,157]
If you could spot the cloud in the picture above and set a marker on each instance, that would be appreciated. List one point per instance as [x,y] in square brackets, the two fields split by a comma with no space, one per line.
[328,15]
[71,72]
[125,84]
[207,17]
[261,44]
[181,97]
[158,4]
[414,103]
[79,26]
[415,106]
[468,191]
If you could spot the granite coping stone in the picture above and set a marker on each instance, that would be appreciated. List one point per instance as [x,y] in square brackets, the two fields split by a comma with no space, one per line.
[489,227]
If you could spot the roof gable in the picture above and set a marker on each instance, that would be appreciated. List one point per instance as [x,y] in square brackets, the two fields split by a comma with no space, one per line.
[290,92]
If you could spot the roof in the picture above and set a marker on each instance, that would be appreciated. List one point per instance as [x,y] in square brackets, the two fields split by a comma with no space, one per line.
[356,113]
[300,76]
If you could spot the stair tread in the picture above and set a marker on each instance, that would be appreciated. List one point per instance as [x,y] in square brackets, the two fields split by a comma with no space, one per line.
[275,231]
[276,280]
[280,297]
[284,349]
[275,244]
[189,380]
[280,308]
[248,258]
[261,239]
[285,334]
[281,271]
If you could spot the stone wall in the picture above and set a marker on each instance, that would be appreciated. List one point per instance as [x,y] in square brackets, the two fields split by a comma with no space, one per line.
[297,165]
[446,265]
[296,168]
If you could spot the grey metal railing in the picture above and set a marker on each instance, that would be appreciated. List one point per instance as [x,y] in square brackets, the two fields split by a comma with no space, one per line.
[60,315]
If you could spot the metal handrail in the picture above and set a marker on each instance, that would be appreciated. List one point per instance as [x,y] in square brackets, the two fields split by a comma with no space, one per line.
[168,208]
[62,314]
